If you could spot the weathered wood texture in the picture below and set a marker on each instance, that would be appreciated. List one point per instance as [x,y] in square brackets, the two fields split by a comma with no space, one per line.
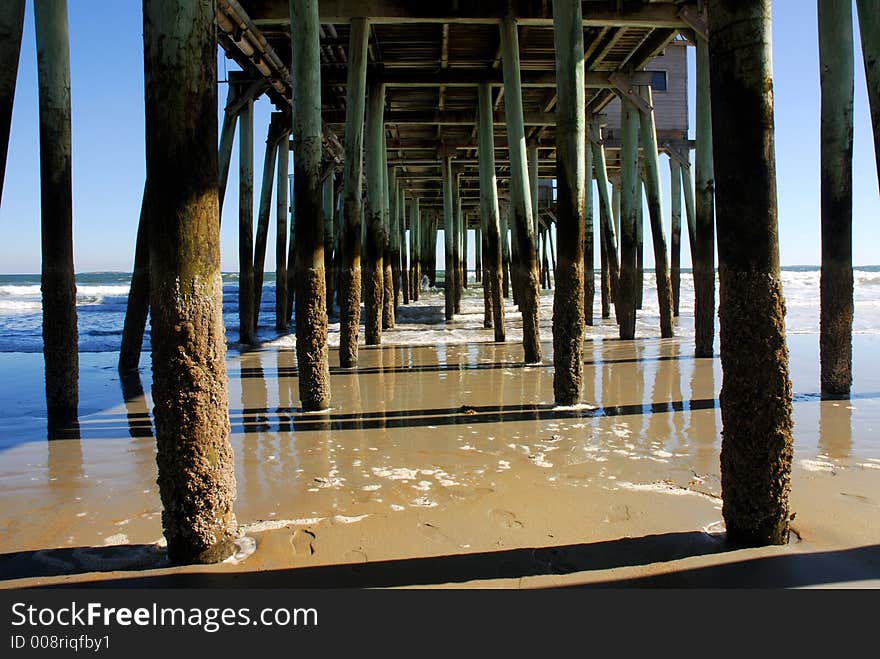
[836,144]
[756,395]
[353,171]
[11,23]
[190,400]
[489,215]
[568,299]
[58,283]
[311,304]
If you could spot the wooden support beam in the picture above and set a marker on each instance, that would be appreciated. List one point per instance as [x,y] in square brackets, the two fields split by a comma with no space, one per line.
[227,137]
[58,282]
[11,23]
[190,398]
[311,301]
[521,203]
[328,197]
[273,136]
[655,209]
[138,307]
[246,224]
[415,250]
[387,271]
[281,214]
[704,264]
[444,118]
[374,237]
[568,299]
[490,222]
[624,87]
[869,26]
[415,77]
[448,241]
[608,234]
[675,234]
[352,180]
[606,13]
[835,27]
[756,397]
[629,202]
[589,232]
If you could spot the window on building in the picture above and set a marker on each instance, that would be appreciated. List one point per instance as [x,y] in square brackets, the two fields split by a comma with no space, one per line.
[658,80]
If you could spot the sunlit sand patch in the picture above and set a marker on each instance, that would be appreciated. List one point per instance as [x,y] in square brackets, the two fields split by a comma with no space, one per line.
[424,502]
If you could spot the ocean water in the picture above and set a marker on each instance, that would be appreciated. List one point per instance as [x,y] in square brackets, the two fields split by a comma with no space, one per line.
[102,298]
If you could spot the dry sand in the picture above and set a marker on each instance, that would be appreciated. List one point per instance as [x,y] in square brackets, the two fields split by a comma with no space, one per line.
[448,465]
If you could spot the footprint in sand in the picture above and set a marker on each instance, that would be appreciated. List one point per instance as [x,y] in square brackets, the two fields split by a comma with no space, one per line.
[505,519]
[857,497]
[303,542]
[433,533]
[618,513]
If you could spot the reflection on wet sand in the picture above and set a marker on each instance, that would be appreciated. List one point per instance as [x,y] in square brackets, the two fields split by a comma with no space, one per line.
[426,451]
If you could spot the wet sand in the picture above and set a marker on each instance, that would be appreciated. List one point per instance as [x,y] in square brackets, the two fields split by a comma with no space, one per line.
[447,465]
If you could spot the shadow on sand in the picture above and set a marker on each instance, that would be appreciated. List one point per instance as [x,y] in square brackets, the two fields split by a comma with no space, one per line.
[787,569]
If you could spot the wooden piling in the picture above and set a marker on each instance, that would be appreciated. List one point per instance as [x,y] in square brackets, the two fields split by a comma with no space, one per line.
[629,212]
[869,26]
[655,210]
[640,242]
[448,241]
[387,271]
[264,212]
[246,223]
[281,214]
[11,23]
[478,255]
[490,222]
[58,283]
[756,448]
[505,253]
[458,245]
[589,249]
[568,298]
[374,241]
[349,276]
[394,244]
[675,234]
[607,231]
[328,193]
[520,199]
[836,287]
[704,264]
[404,252]
[227,138]
[311,304]
[190,401]
[138,307]
[534,181]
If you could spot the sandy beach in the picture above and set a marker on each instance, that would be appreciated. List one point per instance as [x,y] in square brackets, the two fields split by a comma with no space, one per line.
[447,464]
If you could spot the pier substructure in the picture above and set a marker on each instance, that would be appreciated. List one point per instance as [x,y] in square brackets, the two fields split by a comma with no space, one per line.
[190,401]
[756,395]
[655,210]
[490,222]
[374,241]
[58,283]
[521,203]
[568,298]
[629,212]
[349,281]
[836,284]
[311,303]
[704,263]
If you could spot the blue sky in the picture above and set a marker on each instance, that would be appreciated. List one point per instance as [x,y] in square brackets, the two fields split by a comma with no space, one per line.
[108,145]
